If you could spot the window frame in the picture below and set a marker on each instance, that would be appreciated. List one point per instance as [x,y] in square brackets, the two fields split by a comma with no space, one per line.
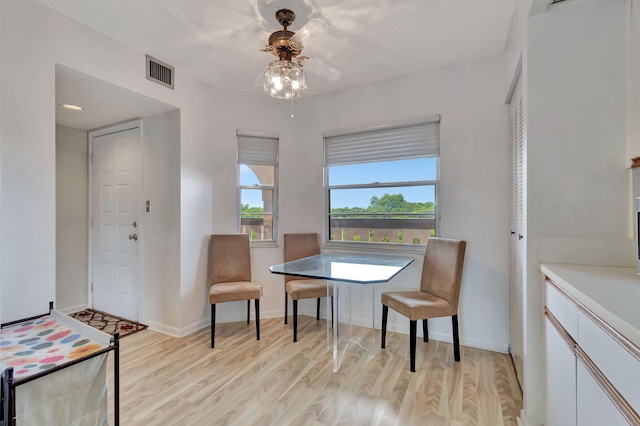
[274,228]
[376,246]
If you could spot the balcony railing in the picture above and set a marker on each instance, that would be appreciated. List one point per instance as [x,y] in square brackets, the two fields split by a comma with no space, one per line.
[411,228]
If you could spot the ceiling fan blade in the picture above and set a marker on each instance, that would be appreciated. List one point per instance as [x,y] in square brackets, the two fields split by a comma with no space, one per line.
[320,68]
[309,31]
[183,15]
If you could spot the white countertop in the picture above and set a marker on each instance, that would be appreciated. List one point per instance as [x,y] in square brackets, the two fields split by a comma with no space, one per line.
[612,293]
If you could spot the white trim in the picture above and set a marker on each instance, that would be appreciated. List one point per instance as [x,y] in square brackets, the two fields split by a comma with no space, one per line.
[121,127]
[73,309]
[206,323]
[514,81]
[425,119]
[257,134]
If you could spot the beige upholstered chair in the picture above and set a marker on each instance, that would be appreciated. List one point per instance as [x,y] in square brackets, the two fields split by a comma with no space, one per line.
[230,266]
[297,246]
[438,294]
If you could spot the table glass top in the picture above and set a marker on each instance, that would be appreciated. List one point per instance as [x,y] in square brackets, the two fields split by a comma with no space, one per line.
[355,268]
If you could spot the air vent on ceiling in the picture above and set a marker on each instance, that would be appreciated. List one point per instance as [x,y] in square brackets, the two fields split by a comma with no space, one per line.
[160,72]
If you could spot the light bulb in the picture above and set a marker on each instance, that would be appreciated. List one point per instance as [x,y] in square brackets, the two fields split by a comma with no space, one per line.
[295,84]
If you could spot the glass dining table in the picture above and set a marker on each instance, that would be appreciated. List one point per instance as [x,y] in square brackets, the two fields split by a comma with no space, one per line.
[350,286]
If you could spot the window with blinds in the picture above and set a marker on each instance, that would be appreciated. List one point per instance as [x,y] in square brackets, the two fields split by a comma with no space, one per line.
[257,187]
[381,186]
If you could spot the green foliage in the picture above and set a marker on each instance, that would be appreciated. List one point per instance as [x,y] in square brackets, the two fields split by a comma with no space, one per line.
[433,232]
[344,234]
[416,241]
[246,211]
[370,235]
[389,203]
[400,236]
[356,238]
[385,239]
[253,235]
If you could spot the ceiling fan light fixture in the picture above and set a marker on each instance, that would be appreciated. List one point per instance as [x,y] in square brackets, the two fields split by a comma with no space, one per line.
[284,80]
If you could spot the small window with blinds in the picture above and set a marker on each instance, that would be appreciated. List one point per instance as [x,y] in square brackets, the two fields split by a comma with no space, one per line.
[257,187]
[381,186]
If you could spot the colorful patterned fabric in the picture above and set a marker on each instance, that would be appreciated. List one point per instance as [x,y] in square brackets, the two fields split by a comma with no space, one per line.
[41,344]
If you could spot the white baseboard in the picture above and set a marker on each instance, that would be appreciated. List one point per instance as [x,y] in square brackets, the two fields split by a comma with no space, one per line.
[73,309]
[205,322]
[521,419]
[278,313]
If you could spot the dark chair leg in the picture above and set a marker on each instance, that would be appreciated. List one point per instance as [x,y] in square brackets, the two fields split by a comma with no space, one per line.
[385,312]
[295,320]
[318,310]
[412,344]
[286,307]
[248,311]
[456,338]
[257,319]
[213,323]
[425,330]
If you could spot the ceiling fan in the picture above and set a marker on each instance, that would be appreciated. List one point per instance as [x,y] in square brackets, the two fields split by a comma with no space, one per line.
[284,78]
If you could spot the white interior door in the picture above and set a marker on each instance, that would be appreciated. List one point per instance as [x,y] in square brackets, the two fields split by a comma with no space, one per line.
[116,223]
[516,152]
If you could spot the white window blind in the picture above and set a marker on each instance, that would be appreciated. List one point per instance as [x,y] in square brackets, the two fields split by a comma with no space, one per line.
[257,150]
[398,143]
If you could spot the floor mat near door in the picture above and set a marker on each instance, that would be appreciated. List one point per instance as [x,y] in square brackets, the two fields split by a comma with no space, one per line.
[108,323]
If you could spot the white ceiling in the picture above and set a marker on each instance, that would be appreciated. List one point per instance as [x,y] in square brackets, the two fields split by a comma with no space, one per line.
[219,42]
[104,104]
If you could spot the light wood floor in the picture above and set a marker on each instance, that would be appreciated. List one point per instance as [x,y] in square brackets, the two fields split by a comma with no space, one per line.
[169,381]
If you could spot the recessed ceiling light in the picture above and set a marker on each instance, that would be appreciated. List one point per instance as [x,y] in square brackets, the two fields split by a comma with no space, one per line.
[71,107]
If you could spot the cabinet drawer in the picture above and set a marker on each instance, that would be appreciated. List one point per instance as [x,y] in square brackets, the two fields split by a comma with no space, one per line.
[620,366]
[595,408]
[563,309]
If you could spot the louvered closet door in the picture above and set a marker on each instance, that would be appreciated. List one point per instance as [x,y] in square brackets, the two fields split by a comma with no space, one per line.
[516,153]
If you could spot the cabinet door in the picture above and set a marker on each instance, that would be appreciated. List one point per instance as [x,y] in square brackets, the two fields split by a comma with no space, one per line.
[595,408]
[561,379]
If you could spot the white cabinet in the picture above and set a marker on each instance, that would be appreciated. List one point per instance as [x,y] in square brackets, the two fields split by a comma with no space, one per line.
[592,371]
[596,408]
[561,378]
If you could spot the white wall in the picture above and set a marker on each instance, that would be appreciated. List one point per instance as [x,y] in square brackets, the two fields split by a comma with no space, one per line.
[578,186]
[72,205]
[32,40]
[474,171]
[633,79]
[159,230]
[474,191]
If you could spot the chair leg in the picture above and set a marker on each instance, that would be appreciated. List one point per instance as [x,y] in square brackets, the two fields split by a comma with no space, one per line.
[295,320]
[425,330]
[332,312]
[412,344]
[385,312]
[257,319]
[213,323]
[318,310]
[248,311]
[286,307]
[456,338]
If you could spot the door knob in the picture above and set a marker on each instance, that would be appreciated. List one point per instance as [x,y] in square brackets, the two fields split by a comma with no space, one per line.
[133,237]
[134,224]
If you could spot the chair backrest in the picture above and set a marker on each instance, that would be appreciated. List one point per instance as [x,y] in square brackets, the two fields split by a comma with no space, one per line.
[297,246]
[442,269]
[230,258]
